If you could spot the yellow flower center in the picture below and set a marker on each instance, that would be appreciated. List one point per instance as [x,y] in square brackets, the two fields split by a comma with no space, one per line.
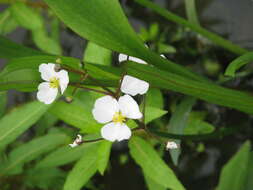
[54,82]
[118,118]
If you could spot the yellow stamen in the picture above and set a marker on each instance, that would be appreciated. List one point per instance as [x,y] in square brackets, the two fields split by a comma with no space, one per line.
[118,118]
[54,82]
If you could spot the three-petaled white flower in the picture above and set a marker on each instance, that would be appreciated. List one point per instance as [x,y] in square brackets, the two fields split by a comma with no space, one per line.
[47,91]
[115,112]
[77,141]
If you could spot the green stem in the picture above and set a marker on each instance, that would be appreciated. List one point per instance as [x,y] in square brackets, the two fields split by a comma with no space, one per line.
[91,89]
[179,20]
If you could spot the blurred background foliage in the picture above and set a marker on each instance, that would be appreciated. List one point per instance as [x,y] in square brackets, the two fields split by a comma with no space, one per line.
[40,159]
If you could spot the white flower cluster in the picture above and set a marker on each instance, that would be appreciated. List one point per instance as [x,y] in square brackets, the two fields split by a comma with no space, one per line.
[114,113]
[107,110]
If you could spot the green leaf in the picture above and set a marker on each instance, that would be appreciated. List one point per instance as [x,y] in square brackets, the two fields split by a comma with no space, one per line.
[196,28]
[151,184]
[249,183]
[30,151]
[198,126]
[154,167]
[104,151]
[178,122]
[191,11]
[19,120]
[209,92]
[65,155]
[83,170]
[26,16]
[10,50]
[104,23]
[44,42]
[3,102]
[97,54]
[234,173]
[46,178]
[154,98]
[238,63]
[76,116]
[7,22]
[152,113]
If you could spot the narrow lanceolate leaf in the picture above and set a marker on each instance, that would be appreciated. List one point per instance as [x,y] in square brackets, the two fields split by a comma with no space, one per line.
[19,120]
[10,50]
[83,170]
[209,92]
[234,173]
[3,101]
[76,116]
[26,16]
[104,23]
[151,184]
[104,151]
[152,113]
[178,122]
[97,54]
[238,63]
[153,166]
[191,11]
[65,155]
[30,151]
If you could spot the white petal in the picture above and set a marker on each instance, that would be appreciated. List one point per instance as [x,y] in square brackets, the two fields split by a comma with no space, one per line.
[133,86]
[135,59]
[73,145]
[129,107]
[64,79]
[46,94]
[123,133]
[113,132]
[163,56]
[122,57]
[47,71]
[104,109]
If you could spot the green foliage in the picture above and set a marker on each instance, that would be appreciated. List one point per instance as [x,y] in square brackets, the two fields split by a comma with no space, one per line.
[191,12]
[83,170]
[154,167]
[3,102]
[29,151]
[32,20]
[7,22]
[104,151]
[97,54]
[238,63]
[236,173]
[19,120]
[48,178]
[65,155]
[78,116]
[178,122]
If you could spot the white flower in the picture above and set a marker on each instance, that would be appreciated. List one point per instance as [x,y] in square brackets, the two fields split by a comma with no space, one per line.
[77,141]
[171,145]
[115,112]
[47,91]
[133,86]
[123,57]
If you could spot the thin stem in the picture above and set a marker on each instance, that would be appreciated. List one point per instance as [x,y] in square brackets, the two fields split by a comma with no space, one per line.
[91,89]
[93,140]
[120,83]
[110,92]
[81,80]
